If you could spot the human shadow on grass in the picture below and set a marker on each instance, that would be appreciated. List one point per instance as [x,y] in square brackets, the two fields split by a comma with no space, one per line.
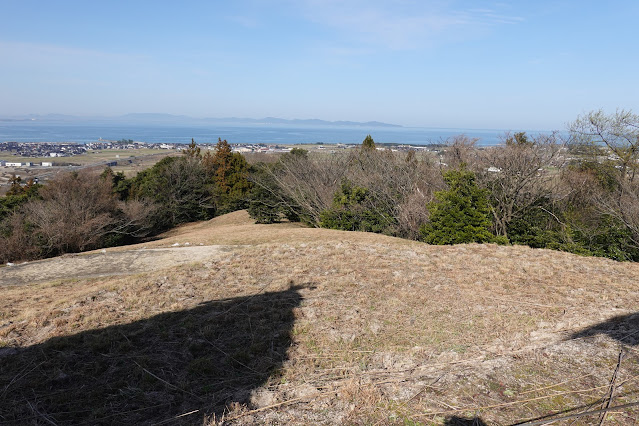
[463,421]
[623,328]
[153,370]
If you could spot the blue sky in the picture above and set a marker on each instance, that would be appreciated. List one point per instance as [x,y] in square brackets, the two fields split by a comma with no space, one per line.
[463,64]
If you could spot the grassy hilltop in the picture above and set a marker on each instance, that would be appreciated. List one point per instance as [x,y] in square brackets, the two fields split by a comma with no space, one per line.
[285,324]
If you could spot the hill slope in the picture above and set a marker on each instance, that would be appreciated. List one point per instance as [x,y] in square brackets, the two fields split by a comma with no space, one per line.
[285,324]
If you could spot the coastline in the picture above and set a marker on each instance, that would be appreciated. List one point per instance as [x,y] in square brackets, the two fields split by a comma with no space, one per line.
[83,133]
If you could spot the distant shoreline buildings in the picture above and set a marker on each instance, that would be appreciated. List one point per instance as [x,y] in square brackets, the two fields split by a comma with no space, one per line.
[70,149]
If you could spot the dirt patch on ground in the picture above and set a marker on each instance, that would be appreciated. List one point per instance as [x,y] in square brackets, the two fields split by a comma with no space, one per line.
[107,263]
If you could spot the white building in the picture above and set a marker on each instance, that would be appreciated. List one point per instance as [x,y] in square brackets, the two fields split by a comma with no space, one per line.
[241,149]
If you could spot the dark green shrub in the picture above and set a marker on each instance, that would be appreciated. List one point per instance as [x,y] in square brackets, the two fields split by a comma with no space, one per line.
[234,195]
[121,185]
[180,186]
[10,203]
[368,142]
[460,214]
[265,204]
[353,210]
[538,226]
[608,237]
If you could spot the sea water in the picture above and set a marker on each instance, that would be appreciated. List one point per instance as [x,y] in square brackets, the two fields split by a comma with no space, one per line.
[35,131]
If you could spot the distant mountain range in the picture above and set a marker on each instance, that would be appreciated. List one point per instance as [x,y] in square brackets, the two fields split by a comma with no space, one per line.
[155,118]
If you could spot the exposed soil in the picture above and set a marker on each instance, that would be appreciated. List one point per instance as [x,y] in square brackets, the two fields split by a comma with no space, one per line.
[106,263]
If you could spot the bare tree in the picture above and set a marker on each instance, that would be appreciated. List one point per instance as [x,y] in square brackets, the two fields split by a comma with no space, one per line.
[519,174]
[76,211]
[619,132]
[596,198]
[460,150]
[16,243]
[618,195]
[627,204]
[309,182]
[400,184]
[135,218]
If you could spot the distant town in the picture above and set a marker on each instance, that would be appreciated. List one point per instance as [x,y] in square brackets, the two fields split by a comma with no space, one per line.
[69,149]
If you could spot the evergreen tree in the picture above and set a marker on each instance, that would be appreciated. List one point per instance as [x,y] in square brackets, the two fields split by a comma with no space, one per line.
[354,210]
[18,196]
[16,186]
[519,139]
[460,214]
[368,143]
[220,165]
[230,173]
[192,151]
[180,186]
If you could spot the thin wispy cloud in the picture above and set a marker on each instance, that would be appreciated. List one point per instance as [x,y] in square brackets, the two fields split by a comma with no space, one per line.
[342,51]
[491,16]
[48,54]
[244,21]
[403,24]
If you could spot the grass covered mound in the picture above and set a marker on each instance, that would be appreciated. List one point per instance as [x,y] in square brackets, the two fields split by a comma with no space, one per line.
[296,325]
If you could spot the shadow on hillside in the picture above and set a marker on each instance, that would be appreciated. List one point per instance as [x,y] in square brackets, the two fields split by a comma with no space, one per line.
[463,421]
[623,328]
[153,370]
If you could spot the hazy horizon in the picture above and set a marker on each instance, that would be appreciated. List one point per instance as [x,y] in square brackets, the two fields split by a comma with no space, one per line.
[433,64]
[205,131]
[145,118]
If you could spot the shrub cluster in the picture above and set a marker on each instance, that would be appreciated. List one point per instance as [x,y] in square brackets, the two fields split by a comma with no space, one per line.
[578,195]
[74,212]
[86,210]
[363,189]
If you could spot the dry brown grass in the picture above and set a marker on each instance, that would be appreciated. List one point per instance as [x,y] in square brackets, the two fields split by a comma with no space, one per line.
[386,330]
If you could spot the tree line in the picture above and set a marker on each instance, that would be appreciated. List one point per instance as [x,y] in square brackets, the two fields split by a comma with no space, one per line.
[577,194]
[85,210]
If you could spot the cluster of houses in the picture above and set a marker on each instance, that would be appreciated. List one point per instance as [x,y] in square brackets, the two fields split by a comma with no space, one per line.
[69,149]
[127,144]
[42,149]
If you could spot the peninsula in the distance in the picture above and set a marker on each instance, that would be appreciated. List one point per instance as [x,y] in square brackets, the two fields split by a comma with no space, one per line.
[156,118]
